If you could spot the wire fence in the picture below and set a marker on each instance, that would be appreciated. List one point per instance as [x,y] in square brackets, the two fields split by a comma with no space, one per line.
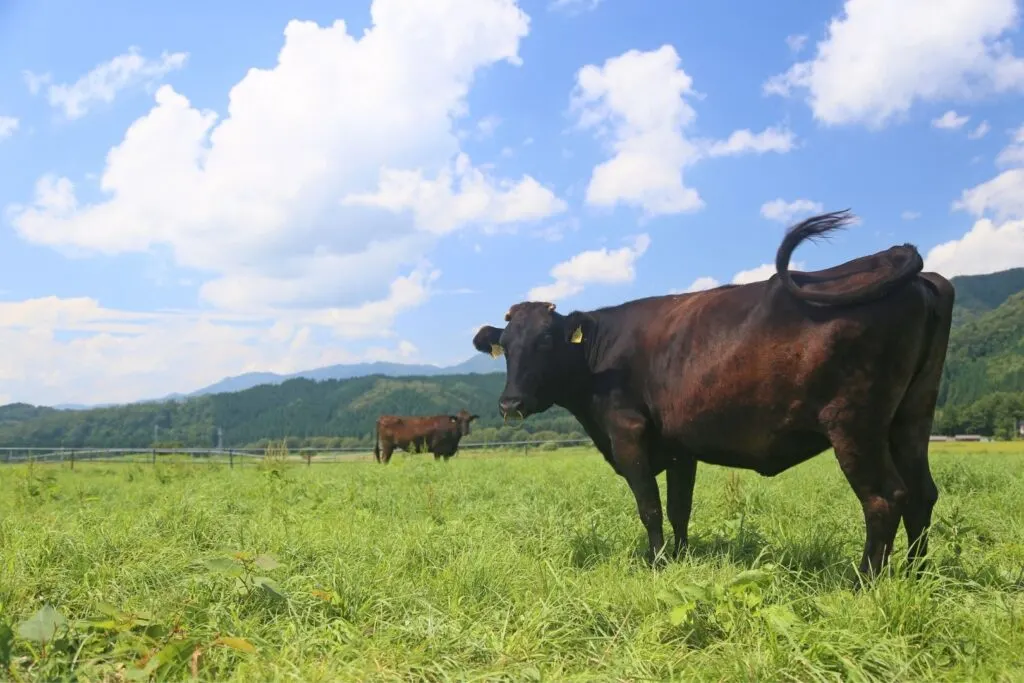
[241,456]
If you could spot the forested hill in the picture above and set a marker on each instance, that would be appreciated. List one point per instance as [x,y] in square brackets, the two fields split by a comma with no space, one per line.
[326,413]
[982,393]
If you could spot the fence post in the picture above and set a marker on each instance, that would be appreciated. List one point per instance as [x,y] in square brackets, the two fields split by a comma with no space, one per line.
[309,458]
[72,458]
[154,456]
[526,449]
[231,459]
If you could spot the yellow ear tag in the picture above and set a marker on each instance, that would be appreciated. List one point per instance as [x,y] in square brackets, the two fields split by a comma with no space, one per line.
[577,336]
[496,350]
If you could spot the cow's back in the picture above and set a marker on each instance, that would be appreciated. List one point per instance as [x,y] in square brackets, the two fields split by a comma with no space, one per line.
[749,369]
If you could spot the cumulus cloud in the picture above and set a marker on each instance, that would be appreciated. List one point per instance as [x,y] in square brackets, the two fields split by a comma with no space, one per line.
[105,81]
[636,103]
[981,131]
[573,6]
[77,351]
[314,199]
[782,211]
[362,173]
[1013,153]
[762,272]
[745,142]
[8,125]
[950,121]
[702,283]
[1001,197]
[598,266]
[795,43]
[988,247]
[880,57]
[996,240]
[910,215]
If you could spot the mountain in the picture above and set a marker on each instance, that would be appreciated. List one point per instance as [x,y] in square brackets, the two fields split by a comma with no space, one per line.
[320,413]
[977,294]
[478,364]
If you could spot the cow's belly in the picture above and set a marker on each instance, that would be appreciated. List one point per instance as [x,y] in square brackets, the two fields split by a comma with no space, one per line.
[741,429]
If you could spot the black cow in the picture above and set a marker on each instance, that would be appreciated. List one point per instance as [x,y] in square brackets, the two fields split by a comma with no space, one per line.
[761,376]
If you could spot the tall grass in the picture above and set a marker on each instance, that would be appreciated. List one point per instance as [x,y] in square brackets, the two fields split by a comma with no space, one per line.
[511,568]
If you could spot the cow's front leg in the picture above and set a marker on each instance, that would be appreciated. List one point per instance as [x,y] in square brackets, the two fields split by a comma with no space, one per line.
[634,464]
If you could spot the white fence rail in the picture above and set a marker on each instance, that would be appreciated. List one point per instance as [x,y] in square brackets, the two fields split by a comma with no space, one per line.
[311,455]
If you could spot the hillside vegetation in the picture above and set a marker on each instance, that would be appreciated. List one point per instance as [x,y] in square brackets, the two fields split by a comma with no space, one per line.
[982,393]
[332,413]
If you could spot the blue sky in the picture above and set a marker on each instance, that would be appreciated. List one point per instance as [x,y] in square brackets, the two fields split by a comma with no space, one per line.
[201,189]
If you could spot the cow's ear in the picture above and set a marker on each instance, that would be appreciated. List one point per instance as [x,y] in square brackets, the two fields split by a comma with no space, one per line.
[473,417]
[453,419]
[486,341]
[579,327]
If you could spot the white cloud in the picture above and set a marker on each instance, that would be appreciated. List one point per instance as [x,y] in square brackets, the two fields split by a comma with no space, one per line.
[702,283]
[574,6]
[987,248]
[8,125]
[486,126]
[598,266]
[950,120]
[795,43]
[979,132]
[910,215]
[106,80]
[782,211]
[744,141]
[762,272]
[77,351]
[326,222]
[1013,154]
[439,209]
[880,57]
[635,102]
[313,216]
[1001,198]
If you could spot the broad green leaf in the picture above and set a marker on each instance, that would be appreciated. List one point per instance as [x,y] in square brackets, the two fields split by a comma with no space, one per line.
[240,644]
[223,565]
[269,585]
[266,562]
[694,592]
[780,618]
[748,577]
[41,626]
[681,613]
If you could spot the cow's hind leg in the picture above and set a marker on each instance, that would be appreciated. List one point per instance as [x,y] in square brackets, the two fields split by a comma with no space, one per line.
[909,443]
[680,477]
[912,424]
[864,457]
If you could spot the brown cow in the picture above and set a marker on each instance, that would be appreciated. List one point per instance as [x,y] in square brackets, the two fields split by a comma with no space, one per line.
[438,434]
[761,376]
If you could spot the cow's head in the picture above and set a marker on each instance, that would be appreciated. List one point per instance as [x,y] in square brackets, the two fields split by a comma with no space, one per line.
[462,420]
[541,347]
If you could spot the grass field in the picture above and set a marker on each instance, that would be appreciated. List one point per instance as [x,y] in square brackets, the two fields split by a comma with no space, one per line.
[495,568]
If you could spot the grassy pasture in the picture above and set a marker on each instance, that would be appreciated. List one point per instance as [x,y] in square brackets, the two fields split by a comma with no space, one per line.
[494,568]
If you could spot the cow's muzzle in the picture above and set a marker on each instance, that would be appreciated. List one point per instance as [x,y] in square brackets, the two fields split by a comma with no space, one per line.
[511,407]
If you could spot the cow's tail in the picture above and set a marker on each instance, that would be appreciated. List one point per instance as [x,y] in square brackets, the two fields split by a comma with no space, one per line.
[820,226]
[376,441]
